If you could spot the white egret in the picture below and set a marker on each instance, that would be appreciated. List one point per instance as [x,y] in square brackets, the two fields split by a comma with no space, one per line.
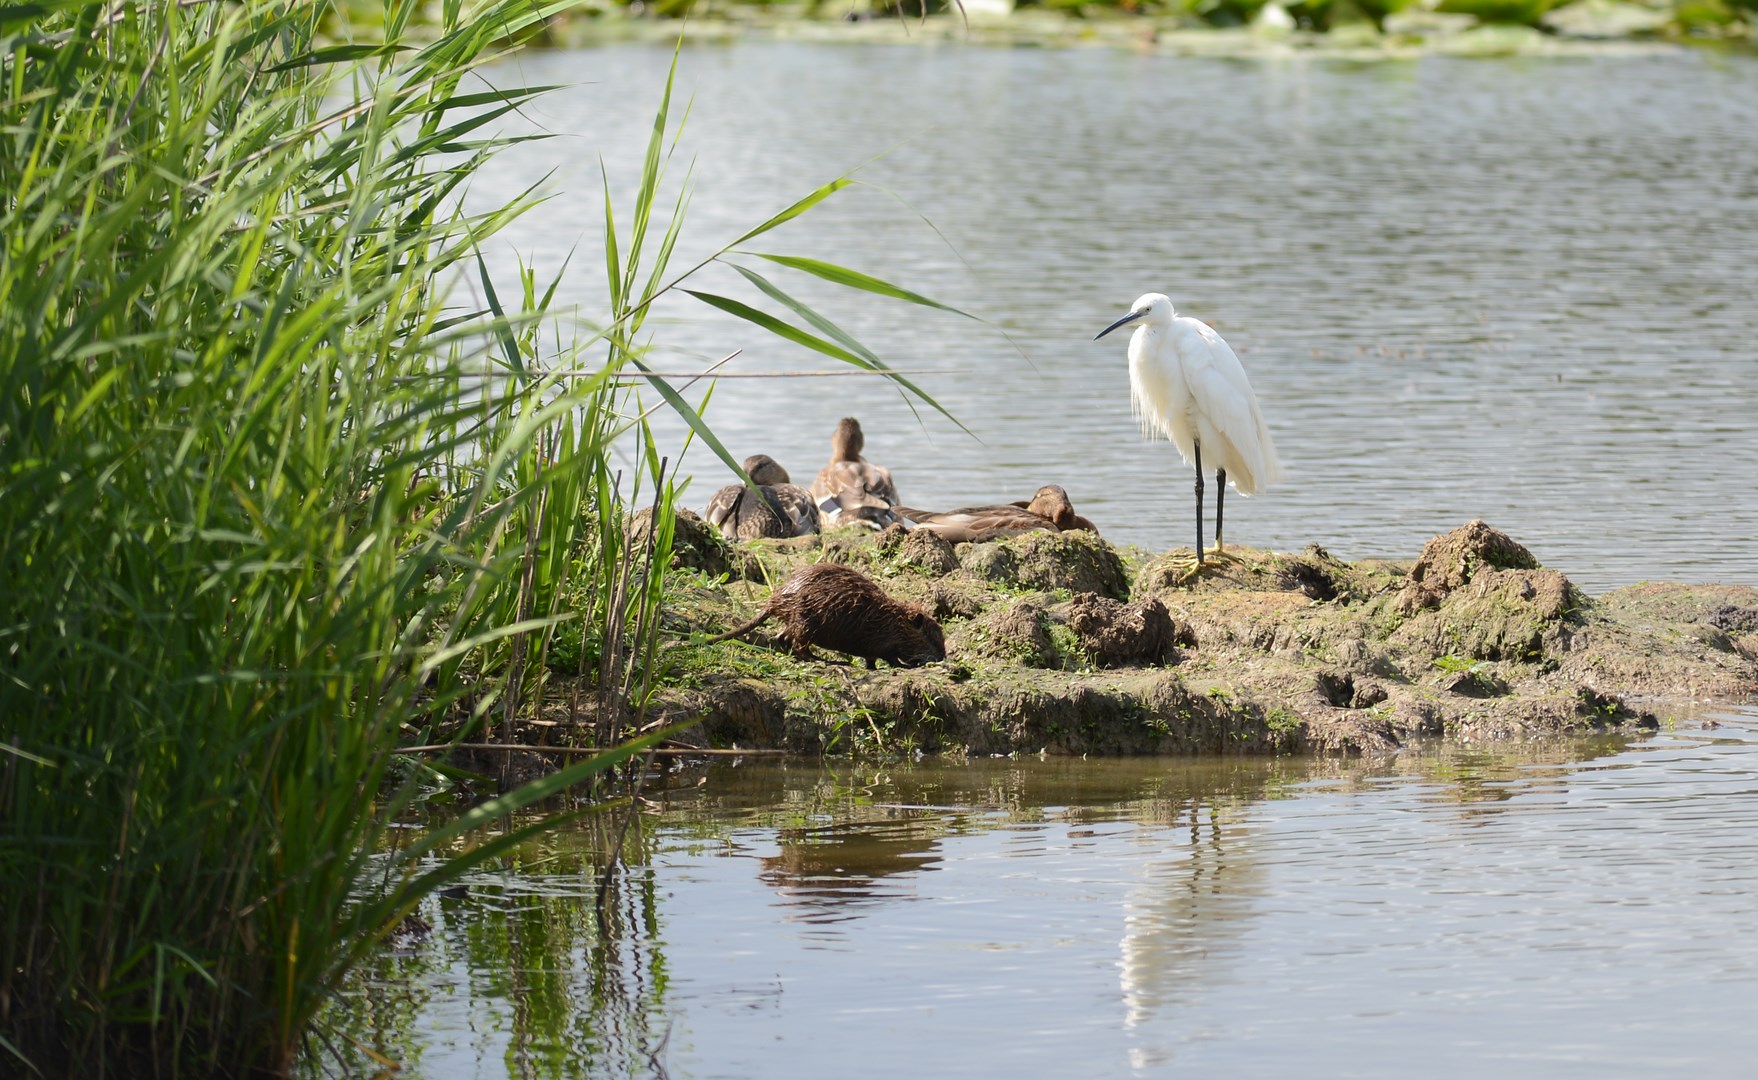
[1189,387]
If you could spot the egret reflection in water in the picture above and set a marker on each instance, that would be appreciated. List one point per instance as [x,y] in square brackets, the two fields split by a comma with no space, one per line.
[1104,918]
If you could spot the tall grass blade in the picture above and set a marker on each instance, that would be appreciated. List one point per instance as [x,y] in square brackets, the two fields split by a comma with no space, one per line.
[854,279]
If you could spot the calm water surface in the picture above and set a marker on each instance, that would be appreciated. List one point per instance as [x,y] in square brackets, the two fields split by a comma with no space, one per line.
[1572,909]
[1511,289]
[1523,290]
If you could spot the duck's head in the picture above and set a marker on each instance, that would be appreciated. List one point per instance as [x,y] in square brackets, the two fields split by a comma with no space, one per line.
[765,471]
[847,443]
[1051,502]
[1149,309]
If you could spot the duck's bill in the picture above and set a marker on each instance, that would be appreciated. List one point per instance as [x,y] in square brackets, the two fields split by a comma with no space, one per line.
[1127,319]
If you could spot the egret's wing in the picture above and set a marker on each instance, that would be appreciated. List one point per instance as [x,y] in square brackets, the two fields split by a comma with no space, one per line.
[1223,395]
[1159,391]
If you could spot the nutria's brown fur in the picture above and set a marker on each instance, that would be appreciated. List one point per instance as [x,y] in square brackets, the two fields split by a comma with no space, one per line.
[839,608]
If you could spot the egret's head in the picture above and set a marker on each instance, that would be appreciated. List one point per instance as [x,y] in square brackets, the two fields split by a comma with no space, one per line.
[1152,309]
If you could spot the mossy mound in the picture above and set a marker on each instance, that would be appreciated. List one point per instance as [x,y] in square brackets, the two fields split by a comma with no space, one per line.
[695,545]
[919,548]
[1016,632]
[1450,561]
[1498,615]
[1050,649]
[1073,561]
[1114,634]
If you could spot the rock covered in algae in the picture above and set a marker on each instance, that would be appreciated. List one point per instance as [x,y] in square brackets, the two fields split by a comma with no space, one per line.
[1078,561]
[1498,615]
[923,549]
[695,544]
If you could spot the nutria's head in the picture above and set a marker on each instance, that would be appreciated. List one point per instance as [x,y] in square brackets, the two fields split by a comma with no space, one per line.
[765,471]
[1051,502]
[847,443]
[922,640]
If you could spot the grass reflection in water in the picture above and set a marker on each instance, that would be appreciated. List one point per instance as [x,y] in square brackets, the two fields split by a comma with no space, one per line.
[1149,871]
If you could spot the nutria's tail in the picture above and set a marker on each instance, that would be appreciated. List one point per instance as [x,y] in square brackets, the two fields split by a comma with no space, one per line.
[736,631]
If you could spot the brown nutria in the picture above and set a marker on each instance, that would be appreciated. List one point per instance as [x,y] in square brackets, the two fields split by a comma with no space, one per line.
[840,608]
[850,489]
[779,509]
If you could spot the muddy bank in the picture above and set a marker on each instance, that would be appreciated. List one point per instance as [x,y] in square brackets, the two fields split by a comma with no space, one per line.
[1059,642]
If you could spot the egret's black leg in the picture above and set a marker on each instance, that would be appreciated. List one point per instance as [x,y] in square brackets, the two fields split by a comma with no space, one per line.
[1220,494]
[1198,452]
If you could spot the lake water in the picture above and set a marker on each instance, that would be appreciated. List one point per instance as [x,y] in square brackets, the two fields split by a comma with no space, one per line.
[1520,290]
[1524,290]
[1566,909]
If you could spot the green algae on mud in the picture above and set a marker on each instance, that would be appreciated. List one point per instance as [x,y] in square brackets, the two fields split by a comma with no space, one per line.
[1265,652]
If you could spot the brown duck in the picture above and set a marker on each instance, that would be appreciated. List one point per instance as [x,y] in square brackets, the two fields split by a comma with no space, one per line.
[850,489]
[1048,510]
[1051,502]
[777,509]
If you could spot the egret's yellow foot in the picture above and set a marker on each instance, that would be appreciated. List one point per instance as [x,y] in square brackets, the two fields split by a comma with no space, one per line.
[1186,566]
[1219,554]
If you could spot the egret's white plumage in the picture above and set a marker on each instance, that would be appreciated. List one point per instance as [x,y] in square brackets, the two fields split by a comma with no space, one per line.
[1188,386]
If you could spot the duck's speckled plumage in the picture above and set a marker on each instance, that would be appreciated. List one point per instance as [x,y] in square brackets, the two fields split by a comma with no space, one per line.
[778,509]
[851,489]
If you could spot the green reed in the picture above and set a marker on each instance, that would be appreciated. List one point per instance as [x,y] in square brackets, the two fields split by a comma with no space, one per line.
[272,504]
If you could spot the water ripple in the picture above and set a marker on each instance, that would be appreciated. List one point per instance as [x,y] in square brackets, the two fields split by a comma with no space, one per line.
[1483,289]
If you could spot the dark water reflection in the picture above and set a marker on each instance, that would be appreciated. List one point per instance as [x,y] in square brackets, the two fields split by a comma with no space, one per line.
[1578,909]
[1512,289]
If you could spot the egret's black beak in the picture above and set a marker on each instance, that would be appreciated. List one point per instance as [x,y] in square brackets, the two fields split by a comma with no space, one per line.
[1131,317]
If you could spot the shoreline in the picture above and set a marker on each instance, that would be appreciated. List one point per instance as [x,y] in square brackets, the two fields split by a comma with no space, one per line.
[1060,644]
[1409,36]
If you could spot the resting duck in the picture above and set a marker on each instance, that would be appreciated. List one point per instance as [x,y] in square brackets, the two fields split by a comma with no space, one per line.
[784,508]
[850,489]
[1051,502]
[975,524]
[1048,510]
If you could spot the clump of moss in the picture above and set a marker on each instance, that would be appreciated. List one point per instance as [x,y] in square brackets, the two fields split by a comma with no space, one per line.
[1451,560]
[1114,634]
[1500,615]
[1074,562]
[921,549]
[1018,632]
